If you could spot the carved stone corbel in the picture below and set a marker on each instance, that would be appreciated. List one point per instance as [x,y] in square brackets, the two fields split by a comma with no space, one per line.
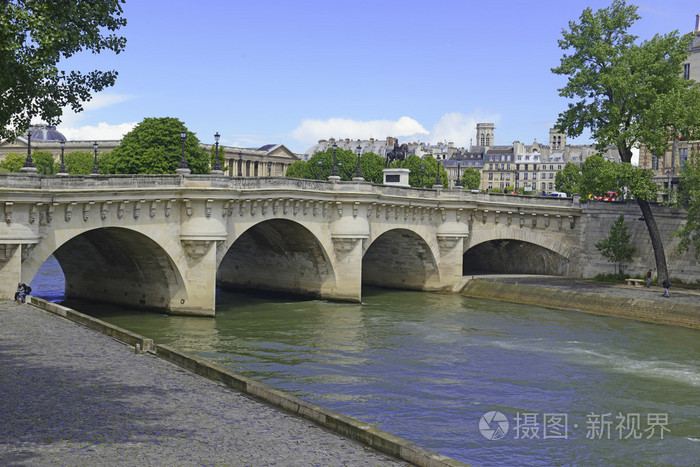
[154,205]
[120,209]
[104,209]
[355,208]
[510,217]
[459,213]
[168,207]
[295,209]
[254,206]
[559,221]
[496,217]
[534,219]
[572,221]
[275,206]
[307,205]
[339,206]
[50,211]
[188,206]
[86,210]
[196,248]
[8,211]
[546,220]
[522,219]
[207,207]
[484,216]
[69,211]
[137,208]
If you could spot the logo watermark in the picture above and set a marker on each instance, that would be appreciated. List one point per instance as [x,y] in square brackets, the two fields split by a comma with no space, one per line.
[495,425]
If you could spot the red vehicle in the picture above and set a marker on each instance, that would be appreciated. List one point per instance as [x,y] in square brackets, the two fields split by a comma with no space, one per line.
[608,196]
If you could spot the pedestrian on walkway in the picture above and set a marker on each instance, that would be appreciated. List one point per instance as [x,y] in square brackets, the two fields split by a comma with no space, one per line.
[648,277]
[667,285]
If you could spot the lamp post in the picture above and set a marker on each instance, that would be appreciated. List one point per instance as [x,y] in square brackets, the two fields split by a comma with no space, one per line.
[438,183]
[334,171]
[62,170]
[95,170]
[217,168]
[422,173]
[358,173]
[240,164]
[320,163]
[183,168]
[459,175]
[28,163]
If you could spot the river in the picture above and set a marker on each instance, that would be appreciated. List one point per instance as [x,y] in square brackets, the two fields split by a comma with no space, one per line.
[484,382]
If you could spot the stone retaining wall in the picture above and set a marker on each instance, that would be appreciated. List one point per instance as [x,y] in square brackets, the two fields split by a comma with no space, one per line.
[650,311]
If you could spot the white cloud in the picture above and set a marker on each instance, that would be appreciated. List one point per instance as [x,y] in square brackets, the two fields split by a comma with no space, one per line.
[459,128]
[71,122]
[101,131]
[310,131]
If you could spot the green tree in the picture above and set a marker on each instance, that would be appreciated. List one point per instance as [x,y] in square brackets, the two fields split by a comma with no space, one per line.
[471,179]
[79,162]
[372,165]
[298,169]
[13,162]
[44,162]
[568,180]
[34,36]
[616,248]
[154,147]
[619,86]
[689,197]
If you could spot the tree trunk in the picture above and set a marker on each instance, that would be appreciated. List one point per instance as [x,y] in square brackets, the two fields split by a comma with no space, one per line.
[656,243]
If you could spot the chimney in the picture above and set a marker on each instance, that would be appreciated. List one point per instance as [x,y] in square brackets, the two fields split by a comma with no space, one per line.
[697,23]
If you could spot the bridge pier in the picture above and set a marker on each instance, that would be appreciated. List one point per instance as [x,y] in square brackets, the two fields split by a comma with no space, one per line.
[10,269]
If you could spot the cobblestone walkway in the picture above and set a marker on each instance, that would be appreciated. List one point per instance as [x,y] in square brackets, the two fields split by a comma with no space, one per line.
[71,396]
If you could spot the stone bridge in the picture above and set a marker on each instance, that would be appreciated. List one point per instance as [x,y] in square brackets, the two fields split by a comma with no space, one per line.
[166,242]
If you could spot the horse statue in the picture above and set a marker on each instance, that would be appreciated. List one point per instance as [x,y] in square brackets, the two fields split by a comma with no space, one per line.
[398,153]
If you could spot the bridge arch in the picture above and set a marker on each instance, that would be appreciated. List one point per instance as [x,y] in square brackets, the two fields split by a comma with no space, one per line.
[277,255]
[400,259]
[513,256]
[114,265]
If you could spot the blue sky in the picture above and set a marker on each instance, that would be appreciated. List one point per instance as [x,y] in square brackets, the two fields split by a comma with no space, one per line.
[293,72]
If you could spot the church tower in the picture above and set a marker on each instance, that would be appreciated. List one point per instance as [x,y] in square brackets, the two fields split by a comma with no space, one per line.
[557,139]
[484,134]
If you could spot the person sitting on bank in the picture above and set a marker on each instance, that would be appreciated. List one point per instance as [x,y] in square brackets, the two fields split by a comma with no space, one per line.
[22,291]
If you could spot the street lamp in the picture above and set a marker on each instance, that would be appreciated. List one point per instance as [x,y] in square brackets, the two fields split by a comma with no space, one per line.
[320,163]
[28,162]
[183,162]
[95,170]
[358,173]
[240,164]
[217,167]
[334,172]
[437,179]
[422,173]
[62,170]
[459,175]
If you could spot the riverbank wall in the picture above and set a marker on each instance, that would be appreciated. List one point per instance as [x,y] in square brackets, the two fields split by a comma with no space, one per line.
[640,309]
[375,438]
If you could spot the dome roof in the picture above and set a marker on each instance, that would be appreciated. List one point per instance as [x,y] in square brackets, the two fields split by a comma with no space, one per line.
[45,133]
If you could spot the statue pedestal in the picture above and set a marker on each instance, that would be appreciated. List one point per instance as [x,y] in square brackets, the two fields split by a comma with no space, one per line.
[396,177]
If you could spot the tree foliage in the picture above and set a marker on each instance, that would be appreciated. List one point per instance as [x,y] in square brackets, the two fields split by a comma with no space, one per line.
[35,35]
[599,175]
[80,162]
[569,179]
[154,147]
[689,197]
[44,162]
[616,248]
[623,90]
[13,162]
[471,179]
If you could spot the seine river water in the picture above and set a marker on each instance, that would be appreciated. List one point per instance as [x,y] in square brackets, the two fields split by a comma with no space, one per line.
[453,374]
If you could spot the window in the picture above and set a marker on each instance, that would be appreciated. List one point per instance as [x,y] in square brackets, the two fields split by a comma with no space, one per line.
[534,176]
[551,175]
[551,185]
[683,156]
[490,185]
[654,162]
[551,167]
[559,167]
[502,185]
[686,71]
[490,176]
[544,186]
[507,176]
[525,176]
[501,175]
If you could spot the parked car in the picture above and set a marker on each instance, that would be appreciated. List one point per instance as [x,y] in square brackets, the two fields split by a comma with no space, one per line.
[608,196]
[557,194]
